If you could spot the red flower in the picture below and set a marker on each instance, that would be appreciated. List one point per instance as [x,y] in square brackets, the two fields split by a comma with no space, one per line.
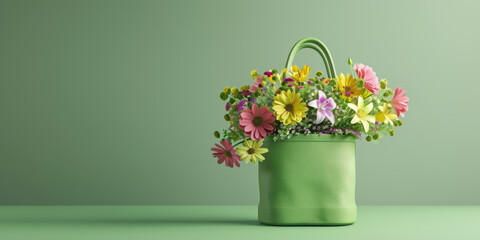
[226,153]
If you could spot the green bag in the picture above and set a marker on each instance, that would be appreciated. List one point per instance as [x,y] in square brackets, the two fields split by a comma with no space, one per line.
[308,179]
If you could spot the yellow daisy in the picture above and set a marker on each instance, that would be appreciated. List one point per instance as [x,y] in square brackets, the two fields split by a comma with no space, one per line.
[251,151]
[385,115]
[348,87]
[289,107]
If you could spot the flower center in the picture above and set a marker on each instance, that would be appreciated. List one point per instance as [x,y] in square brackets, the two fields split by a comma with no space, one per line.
[257,121]
[228,154]
[348,91]
[251,151]
[289,108]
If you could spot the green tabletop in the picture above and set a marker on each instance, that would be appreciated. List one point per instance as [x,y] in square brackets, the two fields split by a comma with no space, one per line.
[230,222]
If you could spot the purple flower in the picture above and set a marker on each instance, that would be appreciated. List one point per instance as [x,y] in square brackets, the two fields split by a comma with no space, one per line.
[227,107]
[331,131]
[245,93]
[253,100]
[337,130]
[268,73]
[240,106]
[288,80]
[324,107]
[309,82]
[354,132]
[300,87]
[291,85]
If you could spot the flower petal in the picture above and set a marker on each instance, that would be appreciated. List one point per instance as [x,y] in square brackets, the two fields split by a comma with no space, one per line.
[330,116]
[366,126]
[368,108]
[355,119]
[320,116]
[353,106]
[313,104]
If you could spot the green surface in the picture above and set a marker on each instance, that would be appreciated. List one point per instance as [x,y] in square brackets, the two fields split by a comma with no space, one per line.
[231,222]
[115,101]
[308,180]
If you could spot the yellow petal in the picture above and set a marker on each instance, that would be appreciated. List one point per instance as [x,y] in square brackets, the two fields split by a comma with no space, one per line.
[254,158]
[366,126]
[369,118]
[392,116]
[380,117]
[352,106]
[295,68]
[360,104]
[355,119]
[278,102]
[261,150]
[368,108]
[260,157]
[285,115]
[279,108]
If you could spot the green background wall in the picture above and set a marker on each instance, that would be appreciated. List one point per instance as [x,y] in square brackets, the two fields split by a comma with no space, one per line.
[115,102]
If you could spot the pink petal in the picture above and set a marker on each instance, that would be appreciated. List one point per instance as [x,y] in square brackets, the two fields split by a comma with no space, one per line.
[225,143]
[255,110]
[268,119]
[247,114]
[255,134]
[221,159]
[267,126]
[245,122]
[262,111]
[330,104]
[262,132]
[249,127]
[330,116]
[217,150]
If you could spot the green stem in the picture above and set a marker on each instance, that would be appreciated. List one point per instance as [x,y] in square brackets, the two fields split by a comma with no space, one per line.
[238,143]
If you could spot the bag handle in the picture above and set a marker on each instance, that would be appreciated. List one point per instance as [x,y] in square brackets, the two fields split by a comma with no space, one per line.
[319,47]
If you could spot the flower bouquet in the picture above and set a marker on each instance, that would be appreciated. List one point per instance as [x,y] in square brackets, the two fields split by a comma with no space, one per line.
[294,104]
[285,103]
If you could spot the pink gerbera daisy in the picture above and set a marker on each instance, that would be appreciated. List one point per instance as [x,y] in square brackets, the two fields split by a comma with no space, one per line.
[257,122]
[226,153]
[369,76]
[399,102]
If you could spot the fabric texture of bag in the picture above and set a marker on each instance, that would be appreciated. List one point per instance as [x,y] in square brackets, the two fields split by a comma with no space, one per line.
[308,180]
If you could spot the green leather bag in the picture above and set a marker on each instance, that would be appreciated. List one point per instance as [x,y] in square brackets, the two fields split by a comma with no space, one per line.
[308,179]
